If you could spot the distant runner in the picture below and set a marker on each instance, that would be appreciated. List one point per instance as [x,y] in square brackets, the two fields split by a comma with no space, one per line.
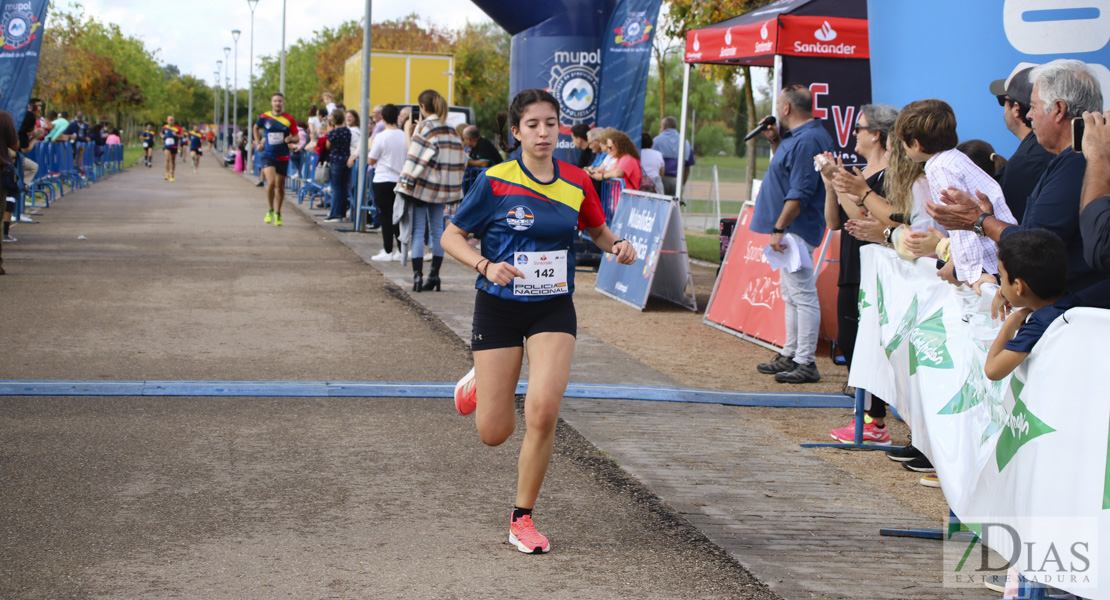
[148,145]
[273,132]
[171,139]
[196,141]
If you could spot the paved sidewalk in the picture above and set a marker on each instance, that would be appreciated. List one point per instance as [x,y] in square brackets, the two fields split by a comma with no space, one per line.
[802,526]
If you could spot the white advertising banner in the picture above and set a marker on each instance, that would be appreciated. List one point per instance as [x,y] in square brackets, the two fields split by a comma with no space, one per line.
[1025,458]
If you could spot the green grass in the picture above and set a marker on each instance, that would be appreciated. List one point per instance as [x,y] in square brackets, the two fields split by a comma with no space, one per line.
[729,208]
[730,169]
[131,155]
[703,247]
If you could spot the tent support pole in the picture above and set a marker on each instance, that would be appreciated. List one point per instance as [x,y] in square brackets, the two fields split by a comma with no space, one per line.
[682,134]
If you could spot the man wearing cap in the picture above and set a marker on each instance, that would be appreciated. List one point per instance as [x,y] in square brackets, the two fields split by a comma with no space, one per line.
[1062,89]
[1025,167]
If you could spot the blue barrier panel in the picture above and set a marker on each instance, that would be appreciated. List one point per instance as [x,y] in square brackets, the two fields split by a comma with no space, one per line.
[642,221]
[371,389]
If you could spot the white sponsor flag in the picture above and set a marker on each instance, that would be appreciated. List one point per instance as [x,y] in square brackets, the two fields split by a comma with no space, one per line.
[1025,457]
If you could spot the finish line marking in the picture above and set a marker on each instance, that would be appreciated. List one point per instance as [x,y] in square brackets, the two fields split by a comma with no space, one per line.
[363,389]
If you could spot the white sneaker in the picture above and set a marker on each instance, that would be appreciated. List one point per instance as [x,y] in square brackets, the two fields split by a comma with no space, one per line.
[9,238]
[26,219]
[428,257]
[382,255]
[396,256]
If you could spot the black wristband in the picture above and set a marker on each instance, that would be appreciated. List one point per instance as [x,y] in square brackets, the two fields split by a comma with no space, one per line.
[775,230]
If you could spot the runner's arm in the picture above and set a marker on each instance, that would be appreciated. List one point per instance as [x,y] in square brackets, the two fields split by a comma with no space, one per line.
[605,238]
[453,241]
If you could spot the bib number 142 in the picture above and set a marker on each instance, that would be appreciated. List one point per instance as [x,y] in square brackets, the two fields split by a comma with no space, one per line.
[545,273]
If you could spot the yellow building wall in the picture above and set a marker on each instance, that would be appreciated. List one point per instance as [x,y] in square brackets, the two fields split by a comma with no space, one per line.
[397,78]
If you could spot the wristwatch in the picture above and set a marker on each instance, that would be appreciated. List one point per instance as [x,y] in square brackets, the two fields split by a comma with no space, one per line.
[775,230]
[978,226]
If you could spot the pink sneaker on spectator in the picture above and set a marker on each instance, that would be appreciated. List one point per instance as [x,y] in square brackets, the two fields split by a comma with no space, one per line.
[879,436]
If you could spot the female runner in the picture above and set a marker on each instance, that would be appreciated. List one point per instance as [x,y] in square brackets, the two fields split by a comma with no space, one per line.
[526,212]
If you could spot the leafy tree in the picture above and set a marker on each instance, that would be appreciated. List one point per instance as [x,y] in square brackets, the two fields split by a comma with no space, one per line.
[91,66]
[482,72]
[704,99]
[684,15]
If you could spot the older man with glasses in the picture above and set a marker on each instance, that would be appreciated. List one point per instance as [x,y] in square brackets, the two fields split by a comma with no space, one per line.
[1062,90]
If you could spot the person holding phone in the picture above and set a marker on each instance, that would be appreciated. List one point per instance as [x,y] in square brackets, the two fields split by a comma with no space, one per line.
[432,177]
[1062,90]
[1095,205]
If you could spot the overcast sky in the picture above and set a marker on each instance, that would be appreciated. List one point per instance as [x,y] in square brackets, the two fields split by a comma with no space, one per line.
[192,34]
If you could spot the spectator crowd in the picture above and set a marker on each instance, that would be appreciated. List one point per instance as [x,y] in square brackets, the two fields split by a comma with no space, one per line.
[1031,233]
[41,133]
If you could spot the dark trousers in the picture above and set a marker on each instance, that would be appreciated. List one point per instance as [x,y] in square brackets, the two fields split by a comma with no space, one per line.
[847,312]
[383,200]
[340,176]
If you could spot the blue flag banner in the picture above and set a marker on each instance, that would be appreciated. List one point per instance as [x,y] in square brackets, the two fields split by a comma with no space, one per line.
[592,55]
[625,62]
[20,41]
[958,48]
[653,225]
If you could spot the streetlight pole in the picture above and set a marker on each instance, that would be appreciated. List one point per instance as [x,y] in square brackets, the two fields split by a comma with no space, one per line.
[235,83]
[364,123]
[216,100]
[281,85]
[219,132]
[250,86]
[227,53]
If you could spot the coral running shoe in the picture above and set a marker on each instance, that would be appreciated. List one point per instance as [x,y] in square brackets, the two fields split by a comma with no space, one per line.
[466,395]
[879,436]
[523,535]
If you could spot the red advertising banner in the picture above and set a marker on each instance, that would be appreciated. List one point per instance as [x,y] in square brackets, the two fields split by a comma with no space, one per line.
[825,37]
[746,298]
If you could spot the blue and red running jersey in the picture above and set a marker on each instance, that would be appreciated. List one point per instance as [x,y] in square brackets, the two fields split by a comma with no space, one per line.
[512,212]
[170,136]
[275,128]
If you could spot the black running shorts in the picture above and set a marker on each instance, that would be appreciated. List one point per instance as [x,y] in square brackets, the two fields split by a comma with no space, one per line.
[281,166]
[500,323]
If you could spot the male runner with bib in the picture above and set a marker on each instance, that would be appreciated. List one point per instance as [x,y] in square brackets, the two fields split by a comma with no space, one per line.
[171,139]
[273,132]
[196,140]
[148,144]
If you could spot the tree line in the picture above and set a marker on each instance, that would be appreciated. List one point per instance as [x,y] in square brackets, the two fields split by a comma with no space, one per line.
[91,65]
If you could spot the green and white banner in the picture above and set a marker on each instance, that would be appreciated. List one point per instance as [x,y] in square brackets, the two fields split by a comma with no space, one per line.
[1022,453]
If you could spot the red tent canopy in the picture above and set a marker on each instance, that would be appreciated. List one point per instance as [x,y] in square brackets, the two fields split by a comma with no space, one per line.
[813,28]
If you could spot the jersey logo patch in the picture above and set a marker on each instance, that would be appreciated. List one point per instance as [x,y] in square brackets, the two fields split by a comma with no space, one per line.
[520,218]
